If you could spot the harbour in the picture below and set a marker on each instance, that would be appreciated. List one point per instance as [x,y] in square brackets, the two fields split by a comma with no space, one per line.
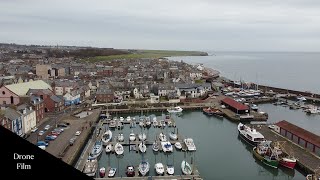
[186,121]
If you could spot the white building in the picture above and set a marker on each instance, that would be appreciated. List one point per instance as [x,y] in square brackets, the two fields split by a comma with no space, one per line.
[29,119]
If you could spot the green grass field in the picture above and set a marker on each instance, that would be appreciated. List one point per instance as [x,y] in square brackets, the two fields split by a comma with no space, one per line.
[138,54]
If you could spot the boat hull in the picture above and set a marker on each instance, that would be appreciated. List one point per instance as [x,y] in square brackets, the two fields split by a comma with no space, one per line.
[271,163]
[252,143]
[256,154]
[287,164]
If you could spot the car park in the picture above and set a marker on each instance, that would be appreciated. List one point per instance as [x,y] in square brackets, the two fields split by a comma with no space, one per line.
[41,133]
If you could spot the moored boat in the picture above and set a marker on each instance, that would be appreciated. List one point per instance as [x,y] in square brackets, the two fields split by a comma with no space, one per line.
[177,109]
[289,162]
[190,144]
[132,136]
[166,147]
[162,137]
[142,136]
[178,145]
[186,168]
[106,137]
[102,172]
[173,136]
[120,137]
[155,146]
[271,158]
[159,168]
[130,171]
[90,167]
[250,135]
[170,169]
[144,167]
[96,150]
[112,172]
[142,147]
[118,148]
[109,148]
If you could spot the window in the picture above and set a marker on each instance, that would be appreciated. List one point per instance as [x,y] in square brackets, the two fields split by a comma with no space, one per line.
[11,99]
[3,92]
[4,102]
[41,96]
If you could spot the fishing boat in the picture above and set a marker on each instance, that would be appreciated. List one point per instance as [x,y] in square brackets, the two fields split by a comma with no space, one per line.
[132,136]
[155,146]
[170,169]
[159,168]
[250,135]
[190,144]
[271,158]
[90,167]
[112,172]
[260,150]
[142,147]
[186,168]
[142,136]
[106,137]
[120,137]
[162,137]
[102,172]
[178,145]
[289,162]
[130,171]
[177,109]
[173,136]
[144,167]
[96,150]
[109,148]
[166,147]
[118,148]
[128,119]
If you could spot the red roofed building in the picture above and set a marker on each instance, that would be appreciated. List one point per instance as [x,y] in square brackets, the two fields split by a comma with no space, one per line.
[299,136]
[235,106]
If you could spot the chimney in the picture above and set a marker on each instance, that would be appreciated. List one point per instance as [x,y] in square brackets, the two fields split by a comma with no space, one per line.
[30,108]
[24,111]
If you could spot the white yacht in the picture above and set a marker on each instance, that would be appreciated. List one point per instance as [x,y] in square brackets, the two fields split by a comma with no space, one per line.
[159,168]
[190,144]
[162,137]
[132,136]
[167,147]
[142,147]
[177,109]
[106,137]
[118,148]
[250,135]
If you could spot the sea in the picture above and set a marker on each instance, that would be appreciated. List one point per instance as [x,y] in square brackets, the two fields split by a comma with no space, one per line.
[289,70]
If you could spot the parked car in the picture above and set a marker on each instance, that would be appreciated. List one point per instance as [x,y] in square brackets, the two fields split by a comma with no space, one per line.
[54,133]
[42,143]
[34,129]
[78,133]
[62,125]
[47,127]
[72,140]
[59,129]
[41,133]
[50,138]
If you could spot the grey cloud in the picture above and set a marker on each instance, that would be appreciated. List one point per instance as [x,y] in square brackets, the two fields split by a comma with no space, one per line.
[180,24]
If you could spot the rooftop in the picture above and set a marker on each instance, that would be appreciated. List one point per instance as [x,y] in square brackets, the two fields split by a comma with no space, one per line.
[21,89]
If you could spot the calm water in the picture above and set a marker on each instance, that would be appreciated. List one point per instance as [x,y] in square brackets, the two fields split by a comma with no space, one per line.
[298,71]
[220,153]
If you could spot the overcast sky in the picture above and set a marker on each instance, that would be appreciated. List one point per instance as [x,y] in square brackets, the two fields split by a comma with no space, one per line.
[231,25]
